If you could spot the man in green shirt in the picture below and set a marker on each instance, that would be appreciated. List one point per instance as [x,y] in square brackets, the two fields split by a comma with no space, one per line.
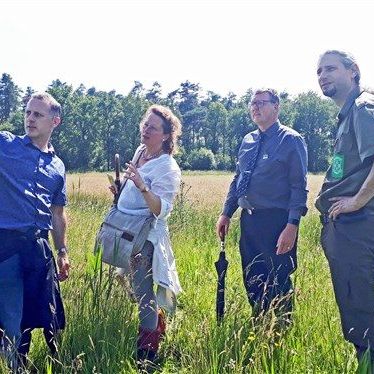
[346,199]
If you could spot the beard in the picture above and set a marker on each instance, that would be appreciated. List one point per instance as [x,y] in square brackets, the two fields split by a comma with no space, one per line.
[329,91]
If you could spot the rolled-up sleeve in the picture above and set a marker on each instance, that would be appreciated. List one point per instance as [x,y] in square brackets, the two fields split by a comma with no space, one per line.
[166,187]
[60,196]
[364,130]
[298,163]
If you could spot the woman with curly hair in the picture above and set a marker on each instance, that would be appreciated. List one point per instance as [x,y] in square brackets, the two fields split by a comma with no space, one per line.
[153,182]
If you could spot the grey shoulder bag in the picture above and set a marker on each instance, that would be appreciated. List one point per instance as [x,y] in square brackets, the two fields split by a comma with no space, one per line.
[122,236]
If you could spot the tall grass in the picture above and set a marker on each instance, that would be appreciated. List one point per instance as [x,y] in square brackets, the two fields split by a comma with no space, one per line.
[100,336]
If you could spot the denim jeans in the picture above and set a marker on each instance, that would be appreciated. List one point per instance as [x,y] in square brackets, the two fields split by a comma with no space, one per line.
[11,305]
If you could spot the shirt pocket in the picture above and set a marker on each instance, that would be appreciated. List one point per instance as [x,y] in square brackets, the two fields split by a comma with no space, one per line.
[271,164]
[344,143]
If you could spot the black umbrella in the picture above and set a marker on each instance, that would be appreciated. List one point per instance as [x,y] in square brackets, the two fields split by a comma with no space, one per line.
[221,266]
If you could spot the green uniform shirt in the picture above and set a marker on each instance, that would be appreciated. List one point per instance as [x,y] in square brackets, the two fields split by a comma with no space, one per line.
[353,151]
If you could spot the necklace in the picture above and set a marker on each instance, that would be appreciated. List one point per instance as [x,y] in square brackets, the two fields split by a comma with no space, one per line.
[152,156]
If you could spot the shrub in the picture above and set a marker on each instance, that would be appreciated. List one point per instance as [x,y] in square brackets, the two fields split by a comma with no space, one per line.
[202,159]
[224,162]
[182,159]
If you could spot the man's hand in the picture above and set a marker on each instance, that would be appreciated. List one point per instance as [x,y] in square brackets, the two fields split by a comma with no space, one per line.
[222,226]
[343,204]
[286,239]
[63,266]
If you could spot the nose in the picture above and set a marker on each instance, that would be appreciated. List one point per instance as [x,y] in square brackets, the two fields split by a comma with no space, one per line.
[29,117]
[255,108]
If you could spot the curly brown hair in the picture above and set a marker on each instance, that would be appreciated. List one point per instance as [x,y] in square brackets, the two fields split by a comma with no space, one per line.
[170,123]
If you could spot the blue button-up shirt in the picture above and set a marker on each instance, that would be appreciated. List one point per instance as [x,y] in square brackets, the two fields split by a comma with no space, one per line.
[30,182]
[279,177]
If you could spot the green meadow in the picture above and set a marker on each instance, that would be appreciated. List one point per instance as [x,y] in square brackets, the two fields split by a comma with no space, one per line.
[100,336]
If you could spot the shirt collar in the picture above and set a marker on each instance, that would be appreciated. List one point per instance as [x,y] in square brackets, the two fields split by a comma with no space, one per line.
[271,131]
[355,93]
[27,141]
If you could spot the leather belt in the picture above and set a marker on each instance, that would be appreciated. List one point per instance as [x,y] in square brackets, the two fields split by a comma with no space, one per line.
[252,211]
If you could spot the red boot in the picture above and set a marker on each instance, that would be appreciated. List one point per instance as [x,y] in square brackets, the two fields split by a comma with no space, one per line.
[149,340]
[161,322]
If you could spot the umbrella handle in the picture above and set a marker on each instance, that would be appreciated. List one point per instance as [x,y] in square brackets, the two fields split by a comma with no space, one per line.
[223,243]
[117,166]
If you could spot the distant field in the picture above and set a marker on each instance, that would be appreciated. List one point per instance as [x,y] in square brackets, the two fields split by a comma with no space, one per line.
[202,189]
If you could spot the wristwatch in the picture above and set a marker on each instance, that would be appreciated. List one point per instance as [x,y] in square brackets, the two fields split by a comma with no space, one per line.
[145,188]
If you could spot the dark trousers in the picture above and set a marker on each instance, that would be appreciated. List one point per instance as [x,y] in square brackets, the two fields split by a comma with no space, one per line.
[29,288]
[266,275]
[348,244]
[24,345]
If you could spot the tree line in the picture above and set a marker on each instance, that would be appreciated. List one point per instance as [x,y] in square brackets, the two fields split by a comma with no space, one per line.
[98,124]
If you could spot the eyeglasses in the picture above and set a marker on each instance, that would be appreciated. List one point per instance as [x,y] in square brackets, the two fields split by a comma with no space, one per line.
[259,103]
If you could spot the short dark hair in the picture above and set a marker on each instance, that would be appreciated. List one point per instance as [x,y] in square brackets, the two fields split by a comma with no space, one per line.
[54,105]
[274,97]
[347,59]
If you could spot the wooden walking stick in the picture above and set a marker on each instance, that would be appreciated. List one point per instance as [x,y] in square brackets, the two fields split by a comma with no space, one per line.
[117,180]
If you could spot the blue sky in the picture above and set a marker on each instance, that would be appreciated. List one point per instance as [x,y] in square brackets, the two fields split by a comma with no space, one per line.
[223,45]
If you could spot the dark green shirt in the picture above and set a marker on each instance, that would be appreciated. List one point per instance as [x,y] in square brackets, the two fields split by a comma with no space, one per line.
[353,151]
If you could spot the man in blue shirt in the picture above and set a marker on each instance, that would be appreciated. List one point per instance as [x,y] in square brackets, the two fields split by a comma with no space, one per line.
[270,187]
[32,200]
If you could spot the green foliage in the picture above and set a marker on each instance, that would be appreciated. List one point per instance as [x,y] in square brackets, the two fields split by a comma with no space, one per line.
[9,97]
[182,159]
[201,159]
[98,124]
[216,128]
[101,331]
[315,120]
[6,126]
[224,162]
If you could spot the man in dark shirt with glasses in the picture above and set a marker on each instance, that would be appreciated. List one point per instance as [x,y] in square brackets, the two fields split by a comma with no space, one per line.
[270,187]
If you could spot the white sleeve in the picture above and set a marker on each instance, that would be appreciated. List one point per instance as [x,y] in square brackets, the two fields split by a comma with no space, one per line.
[166,186]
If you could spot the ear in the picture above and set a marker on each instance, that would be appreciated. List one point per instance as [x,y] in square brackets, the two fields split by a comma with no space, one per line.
[56,121]
[355,71]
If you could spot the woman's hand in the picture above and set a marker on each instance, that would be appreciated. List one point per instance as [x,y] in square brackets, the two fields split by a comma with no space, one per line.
[113,189]
[133,174]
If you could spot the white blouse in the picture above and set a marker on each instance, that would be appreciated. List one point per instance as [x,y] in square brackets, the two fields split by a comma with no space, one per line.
[163,176]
